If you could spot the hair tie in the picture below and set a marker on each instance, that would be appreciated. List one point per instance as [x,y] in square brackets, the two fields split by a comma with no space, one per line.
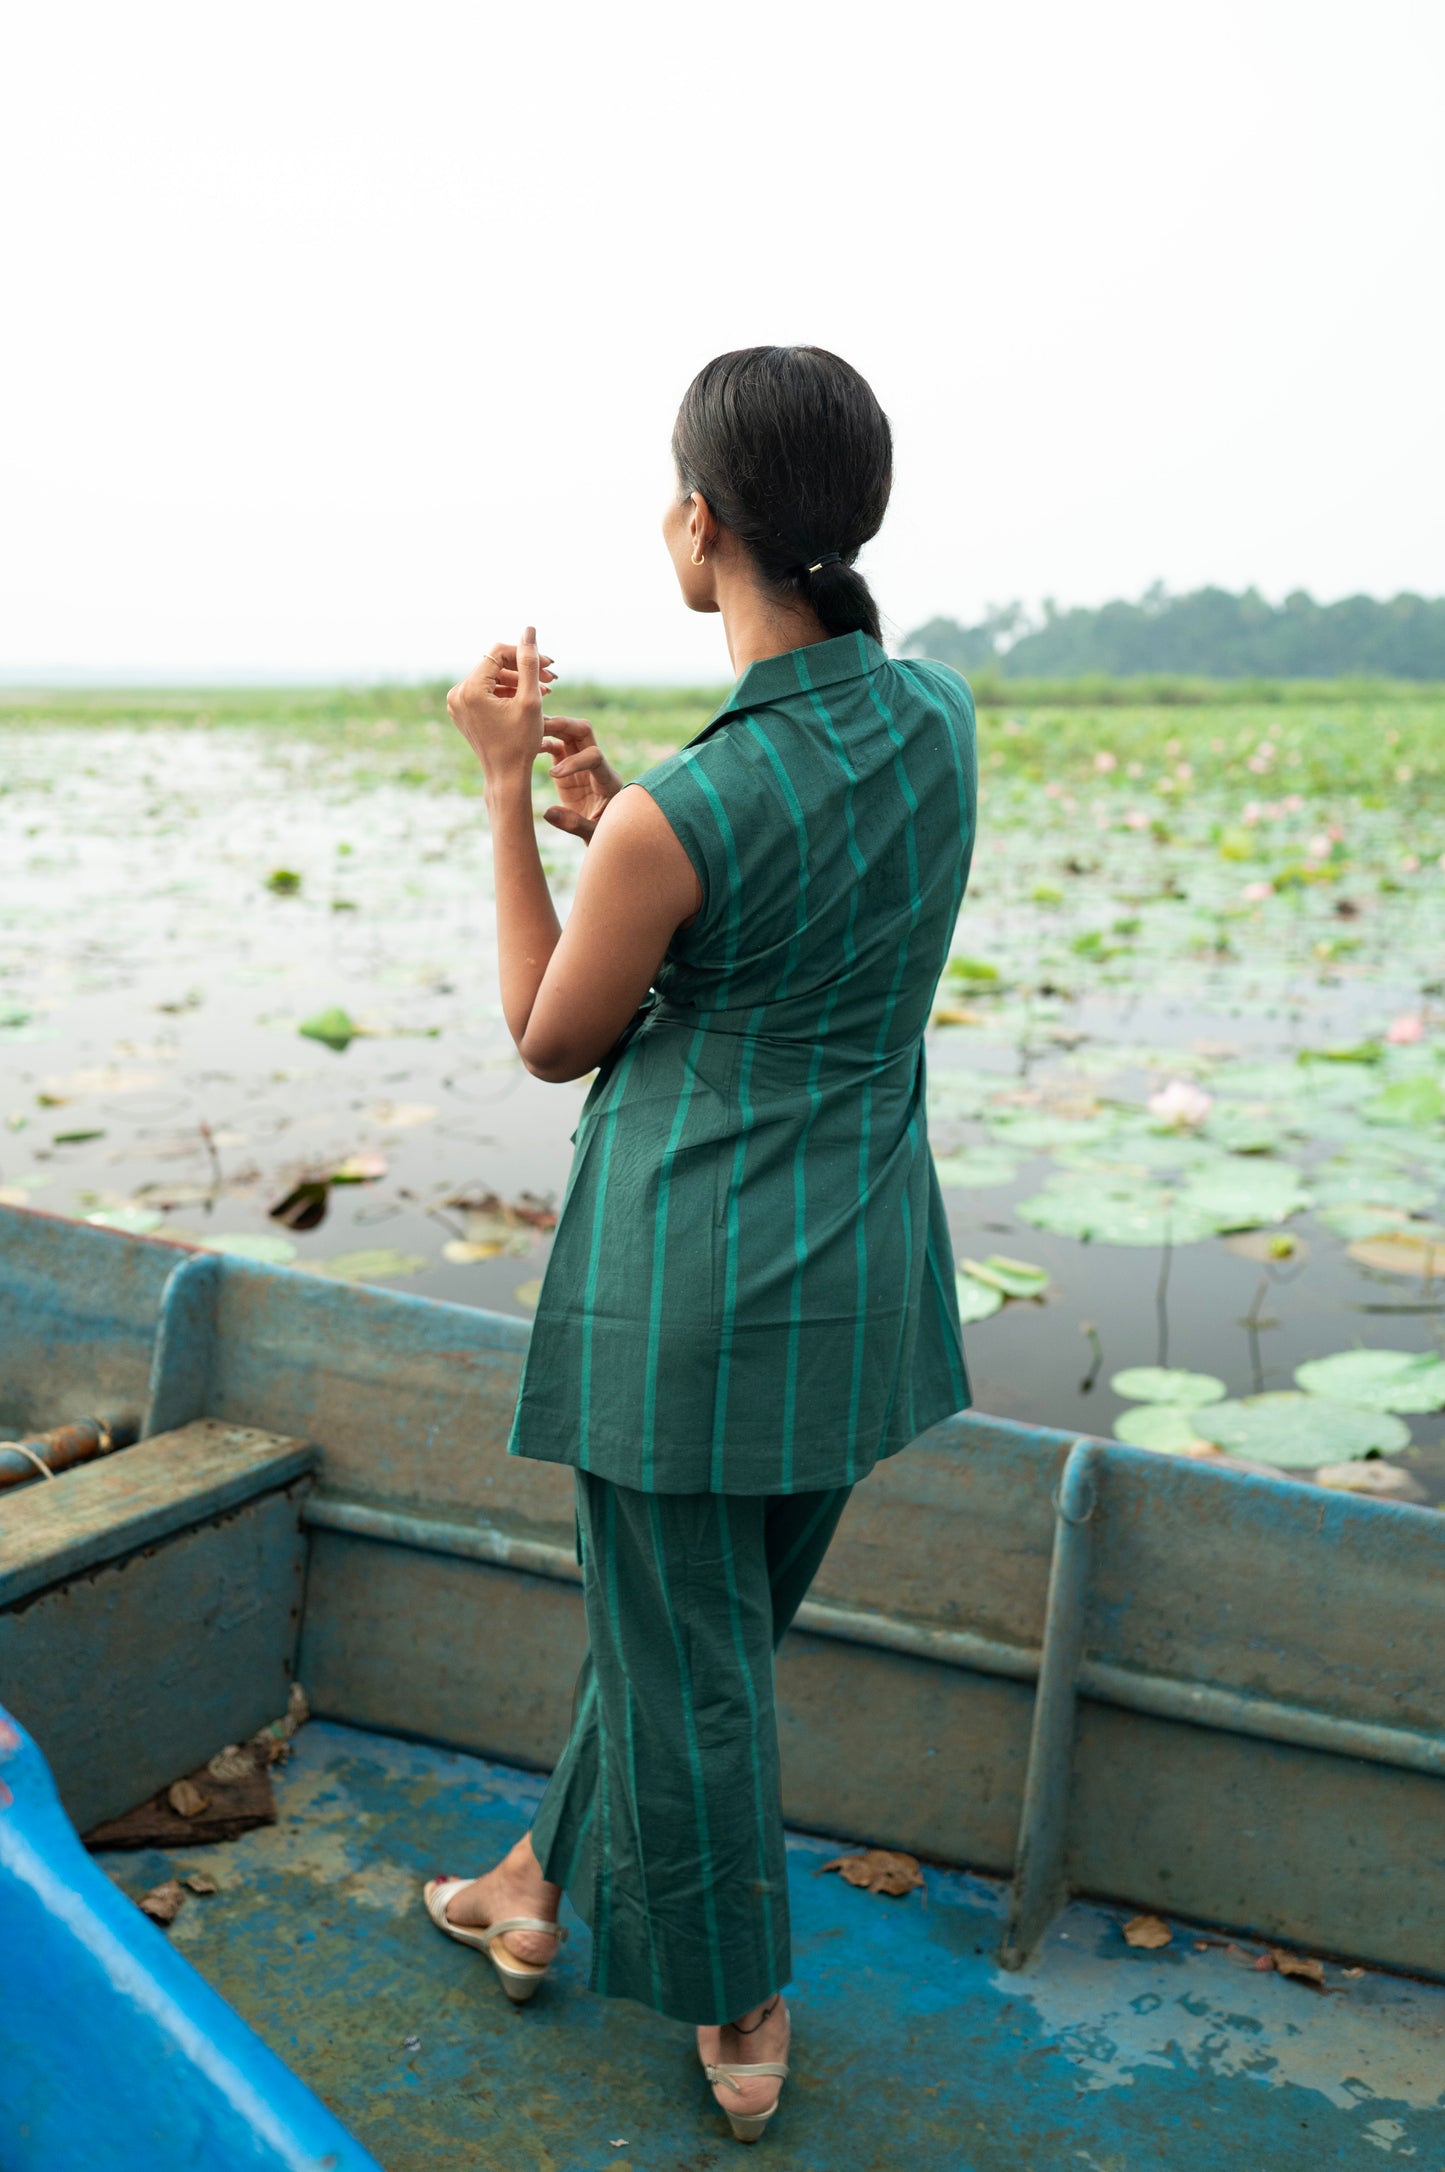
[829,558]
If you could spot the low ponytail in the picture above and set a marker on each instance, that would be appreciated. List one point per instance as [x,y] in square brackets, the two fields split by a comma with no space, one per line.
[794,455]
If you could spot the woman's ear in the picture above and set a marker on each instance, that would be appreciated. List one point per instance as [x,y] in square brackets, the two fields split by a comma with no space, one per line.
[701,527]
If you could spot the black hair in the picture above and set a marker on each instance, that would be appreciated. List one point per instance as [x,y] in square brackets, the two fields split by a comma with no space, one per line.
[794,455]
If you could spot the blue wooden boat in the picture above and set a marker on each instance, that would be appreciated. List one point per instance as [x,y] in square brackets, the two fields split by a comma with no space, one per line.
[1078,1680]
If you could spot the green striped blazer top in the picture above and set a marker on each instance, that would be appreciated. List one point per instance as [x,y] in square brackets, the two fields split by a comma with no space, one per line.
[751,1285]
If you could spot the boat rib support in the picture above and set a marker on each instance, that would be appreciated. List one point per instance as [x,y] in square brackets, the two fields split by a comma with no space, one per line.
[1039,1886]
[184,1343]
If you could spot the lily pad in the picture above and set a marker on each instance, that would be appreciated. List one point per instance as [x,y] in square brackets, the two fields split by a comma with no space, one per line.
[1243,1131]
[135,1221]
[975,1169]
[1245,1198]
[1300,1432]
[379,1265]
[1096,1214]
[266,1251]
[336,1028]
[1398,1380]
[1168,1384]
[1353,1220]
[1417,1250]
[957,1093]
[1015,1277]
[1417,1100]
[1040,1128]
[1167,1427]
[976,1300]
[1372,1186]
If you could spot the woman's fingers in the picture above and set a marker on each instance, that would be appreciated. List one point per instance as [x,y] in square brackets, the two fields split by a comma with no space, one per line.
[529,684]
[573,765]
[575,729]
[568,819]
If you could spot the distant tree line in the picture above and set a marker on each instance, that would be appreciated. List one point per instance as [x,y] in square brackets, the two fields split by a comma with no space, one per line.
[1209,634]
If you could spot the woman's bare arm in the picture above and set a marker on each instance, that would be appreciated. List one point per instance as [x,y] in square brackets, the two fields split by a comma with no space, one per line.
[567,992]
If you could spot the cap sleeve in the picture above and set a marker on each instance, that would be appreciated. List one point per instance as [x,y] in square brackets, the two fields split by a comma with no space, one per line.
[687,795]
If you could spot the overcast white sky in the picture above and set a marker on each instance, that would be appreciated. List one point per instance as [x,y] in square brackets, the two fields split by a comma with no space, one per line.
[345,338]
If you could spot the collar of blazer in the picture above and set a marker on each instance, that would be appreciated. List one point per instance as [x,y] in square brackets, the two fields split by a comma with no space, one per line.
[797,672]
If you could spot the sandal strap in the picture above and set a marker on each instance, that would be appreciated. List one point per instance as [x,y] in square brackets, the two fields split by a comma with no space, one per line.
[490,1931]
[719,2074]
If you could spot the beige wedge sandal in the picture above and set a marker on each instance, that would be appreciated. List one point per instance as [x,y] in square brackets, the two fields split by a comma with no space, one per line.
[519,1978]
[746,2126]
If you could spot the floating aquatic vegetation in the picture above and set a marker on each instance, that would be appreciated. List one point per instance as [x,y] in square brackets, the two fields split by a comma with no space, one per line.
[1404,1381]
[334,1028]
[1014,1277]
[1411,1249]
[1418,1100]
[265,1250]
[1180,1104]
[380,1264]
[976,1300]
[1298,1431]
[975,1168]
[1168,1428]
[1354,1218]
[1097,1212]
[1168,1384]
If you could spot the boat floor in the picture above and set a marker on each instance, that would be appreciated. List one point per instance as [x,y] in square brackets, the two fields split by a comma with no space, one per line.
[912,2047]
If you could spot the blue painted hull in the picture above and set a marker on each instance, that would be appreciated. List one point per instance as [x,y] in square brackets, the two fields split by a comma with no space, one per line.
[1071,1663]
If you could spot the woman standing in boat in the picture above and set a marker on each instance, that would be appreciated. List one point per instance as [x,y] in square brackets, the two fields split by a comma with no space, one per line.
[750,1296]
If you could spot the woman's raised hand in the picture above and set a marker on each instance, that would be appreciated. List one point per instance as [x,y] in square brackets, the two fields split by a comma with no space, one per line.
[497,708]
[584,777]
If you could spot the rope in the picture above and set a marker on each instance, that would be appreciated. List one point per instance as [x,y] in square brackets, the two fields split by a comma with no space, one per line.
[30,1456]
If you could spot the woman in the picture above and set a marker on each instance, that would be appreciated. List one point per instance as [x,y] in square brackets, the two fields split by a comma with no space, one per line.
[750,1297]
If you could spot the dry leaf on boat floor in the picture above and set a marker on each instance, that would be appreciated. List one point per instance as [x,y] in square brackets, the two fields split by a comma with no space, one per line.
[163,1902]
[1302,1965]
[1147,1931]
[879,1870]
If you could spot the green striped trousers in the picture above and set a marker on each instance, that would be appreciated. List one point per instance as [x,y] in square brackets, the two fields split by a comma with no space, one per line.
[663,1819]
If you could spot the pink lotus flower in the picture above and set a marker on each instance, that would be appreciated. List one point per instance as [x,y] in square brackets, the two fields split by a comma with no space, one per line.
[1180,1104]
[1293,804]
[1410,1027]
[1136,819]
[1411,863]
[1252,813]
[1320,847]
[1259,763]
[1104,761]
[1255,893]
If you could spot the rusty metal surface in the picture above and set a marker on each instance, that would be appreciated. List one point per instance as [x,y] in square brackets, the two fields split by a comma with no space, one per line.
[28,1462]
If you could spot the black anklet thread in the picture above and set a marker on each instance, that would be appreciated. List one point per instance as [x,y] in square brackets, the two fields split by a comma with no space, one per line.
[771,2007]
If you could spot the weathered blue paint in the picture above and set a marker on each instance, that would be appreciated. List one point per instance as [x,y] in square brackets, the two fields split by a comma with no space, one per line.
[1276,1726]
[150,1606]
[117,2055]
[183,1358]
[1039,1887]
[912,2047]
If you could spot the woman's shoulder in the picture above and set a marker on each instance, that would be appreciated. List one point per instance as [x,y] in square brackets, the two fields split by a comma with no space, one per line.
[940,681]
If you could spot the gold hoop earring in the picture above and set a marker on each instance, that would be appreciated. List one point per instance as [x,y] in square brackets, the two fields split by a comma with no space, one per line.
[698,558]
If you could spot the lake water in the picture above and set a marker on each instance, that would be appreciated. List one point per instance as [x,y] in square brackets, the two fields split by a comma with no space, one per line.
[152,1070]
